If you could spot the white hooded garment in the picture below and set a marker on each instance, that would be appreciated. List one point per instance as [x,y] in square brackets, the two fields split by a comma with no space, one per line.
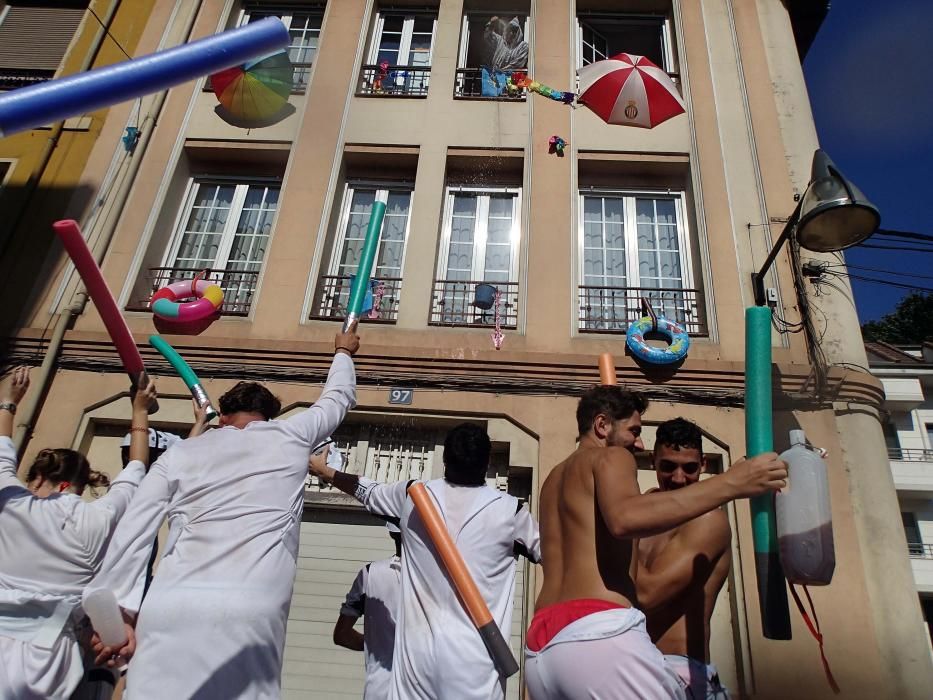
[213,621]
[438,651]
[50,549]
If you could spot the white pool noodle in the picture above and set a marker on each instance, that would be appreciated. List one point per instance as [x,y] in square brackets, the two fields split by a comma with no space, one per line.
[101,606]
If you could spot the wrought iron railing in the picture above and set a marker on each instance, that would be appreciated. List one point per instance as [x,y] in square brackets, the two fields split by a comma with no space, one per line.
[901,454]
[12,78]
[394,81]
[238,285]
[333,294]
[916,550]
[469,84]
[612,309]
[454,304]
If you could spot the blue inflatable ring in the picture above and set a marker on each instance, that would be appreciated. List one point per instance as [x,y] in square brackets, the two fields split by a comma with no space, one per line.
[677,350]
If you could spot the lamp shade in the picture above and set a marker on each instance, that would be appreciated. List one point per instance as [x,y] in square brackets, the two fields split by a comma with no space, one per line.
[834,214]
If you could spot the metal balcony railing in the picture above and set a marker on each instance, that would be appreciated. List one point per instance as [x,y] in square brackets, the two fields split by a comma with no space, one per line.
[300,78]
[12,78]
[469,84]
[334,293]
[612,309]
[453,304]
[394,81]
[918,550]
[901,454]
[238,285]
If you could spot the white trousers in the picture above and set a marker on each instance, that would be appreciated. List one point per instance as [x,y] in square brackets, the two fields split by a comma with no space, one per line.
[606,655]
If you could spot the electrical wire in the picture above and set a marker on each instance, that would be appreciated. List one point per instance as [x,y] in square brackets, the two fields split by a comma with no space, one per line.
[878,269]
[107,32]
[874,280]
[905,234]
[909,249]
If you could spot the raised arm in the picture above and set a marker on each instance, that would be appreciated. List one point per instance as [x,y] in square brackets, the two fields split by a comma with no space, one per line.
[692,552]
[11,393]
[338,396]
[630,514]
[200,418]
[386,500]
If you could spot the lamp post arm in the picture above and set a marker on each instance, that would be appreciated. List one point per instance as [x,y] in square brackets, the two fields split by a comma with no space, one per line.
[758,278]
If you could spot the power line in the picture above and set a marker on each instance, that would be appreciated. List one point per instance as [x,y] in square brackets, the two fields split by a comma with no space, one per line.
[877,269]
[909,249]
[886,282]
[905,234]
[107,32]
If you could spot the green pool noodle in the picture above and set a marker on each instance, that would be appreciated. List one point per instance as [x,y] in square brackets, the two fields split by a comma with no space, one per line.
[759,438]
[185,372]
[367,258]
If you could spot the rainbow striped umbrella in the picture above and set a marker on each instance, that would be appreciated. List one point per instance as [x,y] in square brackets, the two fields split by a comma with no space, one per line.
[256,90]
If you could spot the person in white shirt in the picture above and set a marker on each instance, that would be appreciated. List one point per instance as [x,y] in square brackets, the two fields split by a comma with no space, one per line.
[213,622]
[438,651]
[51,545]
[374,596]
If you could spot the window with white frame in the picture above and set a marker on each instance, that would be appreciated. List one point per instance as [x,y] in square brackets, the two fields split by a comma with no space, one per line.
[224,226]
[480,245]
[304,31]
[491,49]
[400,55]
[356,210]
[634,245]
[601,36]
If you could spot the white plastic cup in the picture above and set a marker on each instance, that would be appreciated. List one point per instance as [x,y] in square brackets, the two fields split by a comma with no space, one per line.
[101,606]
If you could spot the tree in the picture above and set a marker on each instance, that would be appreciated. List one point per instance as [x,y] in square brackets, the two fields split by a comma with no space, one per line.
[910,323]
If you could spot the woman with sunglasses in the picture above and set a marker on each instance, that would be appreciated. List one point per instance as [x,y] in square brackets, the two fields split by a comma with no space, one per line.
[51,545]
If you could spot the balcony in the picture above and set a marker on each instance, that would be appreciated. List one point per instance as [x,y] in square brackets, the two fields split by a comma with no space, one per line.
[300,78]
[453,305]
[912,470]
[469,85]
[238,285]
[916,550]
[334,294]
[612,309]
[921,565]
[393,81]
[12,78]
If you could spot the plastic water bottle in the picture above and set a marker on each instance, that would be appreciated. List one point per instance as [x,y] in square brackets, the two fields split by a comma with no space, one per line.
[804,517]
[100,604]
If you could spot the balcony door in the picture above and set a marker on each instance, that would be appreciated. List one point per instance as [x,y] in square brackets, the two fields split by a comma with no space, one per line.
[482,233]
[404,42]
[634,245]
[224,227]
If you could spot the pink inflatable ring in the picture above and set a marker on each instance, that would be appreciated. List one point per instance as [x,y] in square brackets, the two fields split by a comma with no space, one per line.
[168,304]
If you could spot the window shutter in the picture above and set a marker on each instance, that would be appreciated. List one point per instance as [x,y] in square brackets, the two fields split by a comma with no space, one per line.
[35,37]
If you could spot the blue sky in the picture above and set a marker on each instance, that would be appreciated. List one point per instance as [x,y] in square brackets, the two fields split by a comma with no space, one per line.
[870,77]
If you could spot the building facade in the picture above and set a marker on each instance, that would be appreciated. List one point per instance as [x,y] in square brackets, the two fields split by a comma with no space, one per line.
[391,98]
[907,375]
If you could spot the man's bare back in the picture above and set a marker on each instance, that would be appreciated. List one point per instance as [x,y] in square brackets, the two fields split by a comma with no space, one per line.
[587,561]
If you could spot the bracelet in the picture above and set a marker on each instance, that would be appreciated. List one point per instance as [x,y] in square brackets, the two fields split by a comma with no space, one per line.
[136,429]
[8,406]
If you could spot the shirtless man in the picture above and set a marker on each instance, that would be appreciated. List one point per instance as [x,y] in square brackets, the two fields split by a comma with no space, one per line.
[681,571]
[586,640]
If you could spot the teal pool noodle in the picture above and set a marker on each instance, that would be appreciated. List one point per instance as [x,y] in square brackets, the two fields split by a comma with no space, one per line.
[185,372]
[759,438]
[367,258]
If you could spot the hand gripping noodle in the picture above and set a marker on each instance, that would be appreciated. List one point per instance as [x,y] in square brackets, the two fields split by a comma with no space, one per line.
[54,100]
[70,236]
[186,373]
[466,587]
[365,268]
[759,438]
[100,604]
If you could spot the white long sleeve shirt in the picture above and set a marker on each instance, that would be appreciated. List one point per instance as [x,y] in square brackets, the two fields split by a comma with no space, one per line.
[438,651]
[50,549]
[213,623]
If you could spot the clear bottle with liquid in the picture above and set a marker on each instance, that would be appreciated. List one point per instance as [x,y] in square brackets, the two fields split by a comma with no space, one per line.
[804,517]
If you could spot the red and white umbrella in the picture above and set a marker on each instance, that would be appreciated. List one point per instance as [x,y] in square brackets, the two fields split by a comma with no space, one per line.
[629,90]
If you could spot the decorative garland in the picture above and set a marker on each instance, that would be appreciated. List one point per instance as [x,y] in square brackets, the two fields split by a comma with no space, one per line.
[497,335]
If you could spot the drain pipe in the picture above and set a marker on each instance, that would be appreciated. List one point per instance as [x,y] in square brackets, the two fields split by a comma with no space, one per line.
[51,143]
[26,414]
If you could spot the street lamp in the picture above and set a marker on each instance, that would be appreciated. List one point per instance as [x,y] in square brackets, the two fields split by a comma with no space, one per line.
[832,215]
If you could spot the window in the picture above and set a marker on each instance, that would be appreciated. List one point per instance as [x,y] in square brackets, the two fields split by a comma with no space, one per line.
[891,439]
[480,246]
[304,30]
[224,227]
[914,540]
[34,37]
[400,55]
[601,36]
[491,49]
[334,290]
[635,245]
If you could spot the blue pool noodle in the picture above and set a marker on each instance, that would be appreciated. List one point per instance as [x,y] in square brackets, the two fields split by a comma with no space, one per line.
[55,100]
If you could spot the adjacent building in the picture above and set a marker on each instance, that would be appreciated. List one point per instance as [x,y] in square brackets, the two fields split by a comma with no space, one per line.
[404,99]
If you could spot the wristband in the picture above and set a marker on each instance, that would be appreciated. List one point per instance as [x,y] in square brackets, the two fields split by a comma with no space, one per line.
[135,429]
[8,406]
